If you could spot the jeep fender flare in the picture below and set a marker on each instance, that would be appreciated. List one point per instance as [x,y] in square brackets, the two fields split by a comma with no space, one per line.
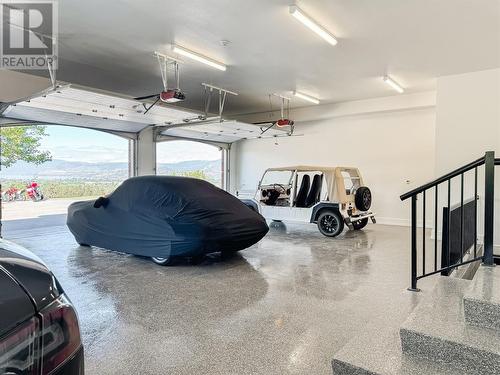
[320,207]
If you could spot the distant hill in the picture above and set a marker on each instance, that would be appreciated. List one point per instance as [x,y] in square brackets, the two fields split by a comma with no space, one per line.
[109,171]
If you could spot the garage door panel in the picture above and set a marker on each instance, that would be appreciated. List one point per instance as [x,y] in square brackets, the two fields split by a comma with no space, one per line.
[65,118]
[226,131]
[84,102]
[200,135]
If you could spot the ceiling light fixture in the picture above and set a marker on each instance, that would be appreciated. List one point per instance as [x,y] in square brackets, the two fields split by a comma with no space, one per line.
[306,97]
[196,56]
[396,86]
[313,25]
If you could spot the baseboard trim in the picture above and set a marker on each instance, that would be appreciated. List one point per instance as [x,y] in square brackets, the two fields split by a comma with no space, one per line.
[392,221]
[398,222]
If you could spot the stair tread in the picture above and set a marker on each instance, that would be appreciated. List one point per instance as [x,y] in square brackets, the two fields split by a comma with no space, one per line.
[380,354]
[440,316]
[485,286]
[436,315]
[378,349]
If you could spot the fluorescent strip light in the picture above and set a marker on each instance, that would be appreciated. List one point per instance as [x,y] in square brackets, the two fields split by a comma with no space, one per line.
[311,24]
[306,97]
[200,58]
[396,86]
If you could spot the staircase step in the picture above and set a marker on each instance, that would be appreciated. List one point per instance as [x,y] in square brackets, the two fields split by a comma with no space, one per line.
[380,354]
[436,331]
[377,351]
[482,301]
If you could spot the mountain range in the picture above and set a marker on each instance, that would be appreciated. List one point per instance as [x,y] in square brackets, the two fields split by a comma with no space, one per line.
[109,171]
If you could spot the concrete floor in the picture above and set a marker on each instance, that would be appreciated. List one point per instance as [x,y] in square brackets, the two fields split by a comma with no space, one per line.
[283,306]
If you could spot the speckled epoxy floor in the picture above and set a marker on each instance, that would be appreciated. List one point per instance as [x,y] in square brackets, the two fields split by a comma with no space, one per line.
[283,306]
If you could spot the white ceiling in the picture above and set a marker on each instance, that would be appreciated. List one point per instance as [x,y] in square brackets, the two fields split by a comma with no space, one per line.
[109,45]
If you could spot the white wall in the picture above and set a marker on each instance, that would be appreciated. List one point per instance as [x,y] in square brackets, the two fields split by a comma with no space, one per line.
[406,137]
[467,125]
[467,118]
[390,147]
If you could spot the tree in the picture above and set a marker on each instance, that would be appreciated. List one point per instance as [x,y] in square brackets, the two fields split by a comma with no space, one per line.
[195,174]
[22,143]
[198,173]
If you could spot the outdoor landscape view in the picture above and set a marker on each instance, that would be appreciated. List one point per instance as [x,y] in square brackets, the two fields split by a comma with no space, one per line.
[54,159]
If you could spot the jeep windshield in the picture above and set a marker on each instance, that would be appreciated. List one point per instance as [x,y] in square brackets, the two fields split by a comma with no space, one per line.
[276,177]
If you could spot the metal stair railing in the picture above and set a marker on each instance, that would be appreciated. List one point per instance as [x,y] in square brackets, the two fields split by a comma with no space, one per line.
[489,162]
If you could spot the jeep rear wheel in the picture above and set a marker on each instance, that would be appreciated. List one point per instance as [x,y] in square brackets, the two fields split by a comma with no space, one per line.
[330,223]
[360,224]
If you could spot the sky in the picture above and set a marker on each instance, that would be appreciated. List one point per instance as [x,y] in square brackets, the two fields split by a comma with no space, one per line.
[77,144]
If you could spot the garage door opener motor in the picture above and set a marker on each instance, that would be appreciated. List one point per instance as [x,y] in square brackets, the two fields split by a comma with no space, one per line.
[168,95]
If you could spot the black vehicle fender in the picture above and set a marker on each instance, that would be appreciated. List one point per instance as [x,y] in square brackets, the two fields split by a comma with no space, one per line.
[320,207]
[250,204]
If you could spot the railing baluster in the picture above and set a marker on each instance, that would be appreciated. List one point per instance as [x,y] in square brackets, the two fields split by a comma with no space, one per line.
[423,232]
[448,237]
[461,218]
[475,212]
[414,244]
[436,228]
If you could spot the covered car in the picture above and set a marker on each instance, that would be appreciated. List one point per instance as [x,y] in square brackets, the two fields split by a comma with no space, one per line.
[164,217]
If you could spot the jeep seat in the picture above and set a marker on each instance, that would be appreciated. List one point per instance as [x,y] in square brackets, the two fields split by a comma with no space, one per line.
[300,201]
[314,193]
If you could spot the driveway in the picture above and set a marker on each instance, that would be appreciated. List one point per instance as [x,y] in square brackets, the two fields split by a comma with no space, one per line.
[23,215]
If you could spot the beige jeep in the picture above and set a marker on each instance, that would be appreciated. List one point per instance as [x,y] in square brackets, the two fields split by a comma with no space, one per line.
[327,196]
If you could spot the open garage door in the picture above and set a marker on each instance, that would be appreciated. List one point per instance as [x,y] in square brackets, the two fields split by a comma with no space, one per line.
[75,106]
[217,129]
[220,131]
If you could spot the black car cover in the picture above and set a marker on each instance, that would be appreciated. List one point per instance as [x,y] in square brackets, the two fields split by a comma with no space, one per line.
[166,216]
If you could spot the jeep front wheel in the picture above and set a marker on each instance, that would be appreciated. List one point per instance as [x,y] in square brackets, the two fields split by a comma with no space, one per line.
[330,223]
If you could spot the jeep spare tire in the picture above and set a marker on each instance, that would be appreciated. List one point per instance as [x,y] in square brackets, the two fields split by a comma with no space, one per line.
[363,198]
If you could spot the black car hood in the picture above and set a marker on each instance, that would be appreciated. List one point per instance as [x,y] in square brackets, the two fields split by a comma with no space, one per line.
[30,272]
